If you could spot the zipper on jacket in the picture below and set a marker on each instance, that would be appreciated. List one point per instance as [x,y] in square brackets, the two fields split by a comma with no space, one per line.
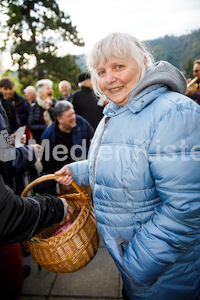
[101,136]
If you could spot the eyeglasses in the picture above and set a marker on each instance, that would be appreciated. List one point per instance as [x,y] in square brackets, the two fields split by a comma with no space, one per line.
[196,71]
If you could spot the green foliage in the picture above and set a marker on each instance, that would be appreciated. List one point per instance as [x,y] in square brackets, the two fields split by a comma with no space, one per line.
[36,30]
[180,51]
[54,68]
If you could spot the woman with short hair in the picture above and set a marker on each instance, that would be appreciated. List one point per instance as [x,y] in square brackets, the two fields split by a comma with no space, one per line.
[144,167]
[41,111]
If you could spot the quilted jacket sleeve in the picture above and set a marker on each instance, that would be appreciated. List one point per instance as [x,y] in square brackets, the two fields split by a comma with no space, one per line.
[175,166]
[80,172]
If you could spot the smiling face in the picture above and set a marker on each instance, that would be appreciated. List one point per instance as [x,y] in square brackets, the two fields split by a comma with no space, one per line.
[65,89]
[67,121]
[117,77]
[7,92]
[196,71]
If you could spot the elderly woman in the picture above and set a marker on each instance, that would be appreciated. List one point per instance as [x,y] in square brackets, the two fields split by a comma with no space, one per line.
[41,113]
[144,168]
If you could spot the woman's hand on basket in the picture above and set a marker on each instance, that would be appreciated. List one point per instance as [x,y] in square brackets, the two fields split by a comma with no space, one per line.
[67,180]
[68,211]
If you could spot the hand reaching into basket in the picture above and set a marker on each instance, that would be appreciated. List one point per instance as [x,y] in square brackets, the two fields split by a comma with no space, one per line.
[67,180]
[68,211]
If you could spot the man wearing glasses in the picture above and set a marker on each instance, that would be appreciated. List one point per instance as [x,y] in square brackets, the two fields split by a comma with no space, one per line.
[193,91]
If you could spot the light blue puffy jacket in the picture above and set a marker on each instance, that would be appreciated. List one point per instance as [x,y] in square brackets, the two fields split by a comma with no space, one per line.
[144,171]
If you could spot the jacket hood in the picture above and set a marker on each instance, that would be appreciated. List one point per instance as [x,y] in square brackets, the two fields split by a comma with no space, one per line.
[161,73]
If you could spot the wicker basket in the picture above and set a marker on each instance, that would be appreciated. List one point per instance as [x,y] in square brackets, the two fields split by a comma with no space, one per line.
[74,248]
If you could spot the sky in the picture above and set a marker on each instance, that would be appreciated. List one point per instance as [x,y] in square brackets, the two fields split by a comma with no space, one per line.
[145,19]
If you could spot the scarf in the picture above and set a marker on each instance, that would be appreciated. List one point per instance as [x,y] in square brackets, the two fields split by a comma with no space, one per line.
[46,114]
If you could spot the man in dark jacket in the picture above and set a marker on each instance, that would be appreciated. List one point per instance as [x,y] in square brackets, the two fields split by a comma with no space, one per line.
[68,139]
[22,106]
[85,102]
[65,89]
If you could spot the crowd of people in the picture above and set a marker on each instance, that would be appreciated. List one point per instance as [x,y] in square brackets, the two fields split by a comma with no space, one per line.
[131,133]
[44,118]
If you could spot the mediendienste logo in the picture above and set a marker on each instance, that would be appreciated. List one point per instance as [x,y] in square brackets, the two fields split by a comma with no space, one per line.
[115,153]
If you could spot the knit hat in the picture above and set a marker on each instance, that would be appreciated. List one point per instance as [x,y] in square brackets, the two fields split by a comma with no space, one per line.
[83,76]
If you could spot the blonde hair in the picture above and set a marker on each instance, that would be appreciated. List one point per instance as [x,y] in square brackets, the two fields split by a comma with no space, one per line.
[120,45]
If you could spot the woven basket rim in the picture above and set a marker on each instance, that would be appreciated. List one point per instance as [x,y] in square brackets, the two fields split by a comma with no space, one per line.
[67,234]
[79,242]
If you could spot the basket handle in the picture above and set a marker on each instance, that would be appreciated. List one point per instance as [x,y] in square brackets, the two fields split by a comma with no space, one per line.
[48,177]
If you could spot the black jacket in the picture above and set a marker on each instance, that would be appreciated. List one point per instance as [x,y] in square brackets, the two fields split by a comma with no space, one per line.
[22,108]
[24,217]
[85,105]
[13,161]
[12,117]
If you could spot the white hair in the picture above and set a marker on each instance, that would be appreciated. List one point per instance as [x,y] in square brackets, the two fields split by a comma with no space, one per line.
[30,88]
[65,82]
[43,82]
[120,45]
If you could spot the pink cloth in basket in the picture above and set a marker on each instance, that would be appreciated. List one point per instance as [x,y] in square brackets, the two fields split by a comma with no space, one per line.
[62,228]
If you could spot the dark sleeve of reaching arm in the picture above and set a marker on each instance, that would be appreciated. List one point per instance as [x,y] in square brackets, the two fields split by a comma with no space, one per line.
[23,217]
[25,158]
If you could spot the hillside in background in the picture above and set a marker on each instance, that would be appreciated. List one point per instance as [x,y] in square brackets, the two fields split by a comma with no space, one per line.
[179,51]
[80,60]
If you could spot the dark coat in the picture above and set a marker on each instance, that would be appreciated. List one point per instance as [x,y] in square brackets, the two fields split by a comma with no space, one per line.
[22,218]
[34,120]
[22,108]
[83,130]
[85,105]
[12,160]
[11,113]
